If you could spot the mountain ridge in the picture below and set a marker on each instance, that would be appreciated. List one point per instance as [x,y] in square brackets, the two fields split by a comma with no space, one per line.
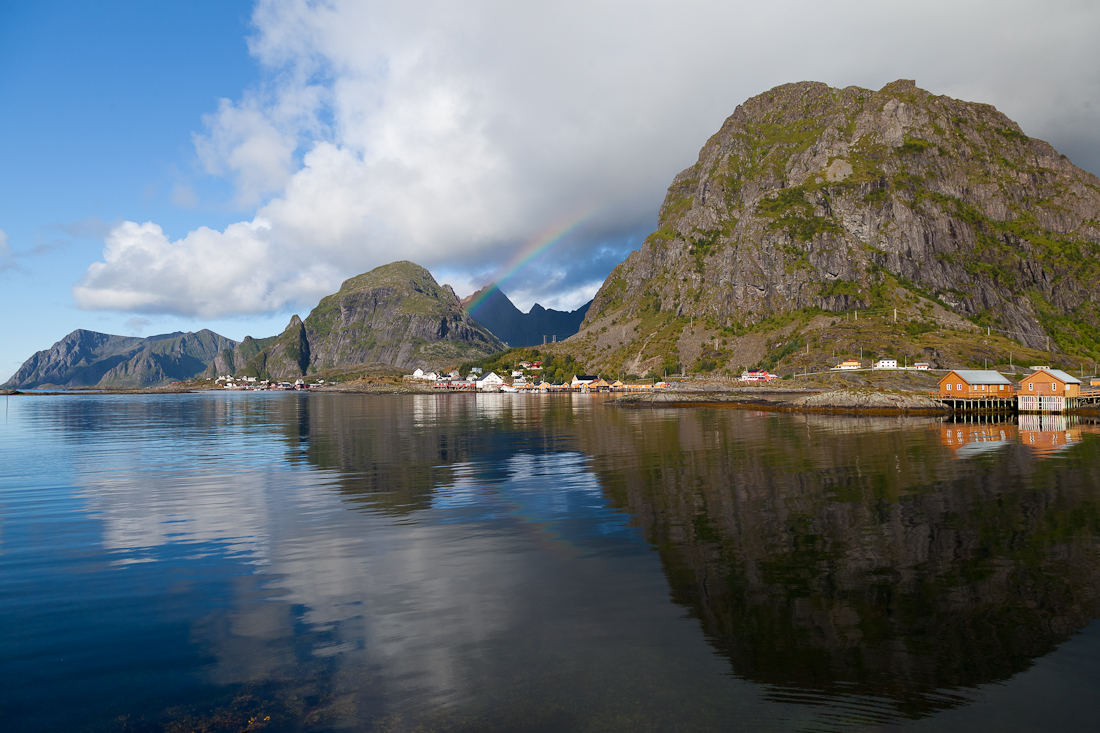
[490,307]
[91,359]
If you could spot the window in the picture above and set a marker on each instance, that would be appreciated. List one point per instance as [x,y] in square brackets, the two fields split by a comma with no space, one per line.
[1001,388]
[1030,386]
[1053,386]
[949,386]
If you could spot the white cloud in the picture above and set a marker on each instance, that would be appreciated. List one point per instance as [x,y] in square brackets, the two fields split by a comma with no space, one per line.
[453,134]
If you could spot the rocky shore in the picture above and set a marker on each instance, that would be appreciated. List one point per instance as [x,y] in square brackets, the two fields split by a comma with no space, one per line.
[781,400]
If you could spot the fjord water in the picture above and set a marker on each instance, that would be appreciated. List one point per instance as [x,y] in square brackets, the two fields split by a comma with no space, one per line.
[287,562]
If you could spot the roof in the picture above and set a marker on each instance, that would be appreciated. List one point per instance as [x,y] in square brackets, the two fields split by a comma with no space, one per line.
[979,376]
[1057,373]
[585,378]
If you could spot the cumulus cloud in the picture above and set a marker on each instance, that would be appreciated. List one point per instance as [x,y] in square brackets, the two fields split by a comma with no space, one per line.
[454,135]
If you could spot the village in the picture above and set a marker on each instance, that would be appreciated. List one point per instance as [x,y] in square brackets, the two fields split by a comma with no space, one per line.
[526,378]
[1043,390]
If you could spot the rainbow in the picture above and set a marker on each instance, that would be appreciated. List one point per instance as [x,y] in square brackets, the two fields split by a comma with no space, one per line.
[539,245]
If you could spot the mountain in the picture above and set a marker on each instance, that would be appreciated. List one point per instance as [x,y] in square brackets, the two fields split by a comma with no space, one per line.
[491,308]
[396,314]
[91,359]
[231,360]
[813,202]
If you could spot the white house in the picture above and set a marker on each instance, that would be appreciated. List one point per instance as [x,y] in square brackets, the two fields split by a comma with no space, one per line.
[886,364]
[760,376]
[418,373]
[583,380]
[489,381]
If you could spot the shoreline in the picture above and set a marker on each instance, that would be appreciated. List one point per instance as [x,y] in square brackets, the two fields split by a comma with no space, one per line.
[807,401]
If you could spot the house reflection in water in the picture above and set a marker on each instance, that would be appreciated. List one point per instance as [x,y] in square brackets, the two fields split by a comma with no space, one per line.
[1048,434]
[1045,434]
[970,439]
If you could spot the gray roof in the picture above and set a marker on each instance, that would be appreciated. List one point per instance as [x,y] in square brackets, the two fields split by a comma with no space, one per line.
[981,376]
[1066,378]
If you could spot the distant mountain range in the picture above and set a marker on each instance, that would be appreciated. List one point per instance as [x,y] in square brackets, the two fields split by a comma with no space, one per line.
[492,308]
[91,359]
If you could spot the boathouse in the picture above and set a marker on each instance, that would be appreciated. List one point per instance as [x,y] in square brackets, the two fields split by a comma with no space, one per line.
[976,390]
[975,384]
[1046,381]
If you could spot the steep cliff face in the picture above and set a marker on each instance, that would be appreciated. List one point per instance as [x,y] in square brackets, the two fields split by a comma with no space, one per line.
[493,309]
[396,314]
[91,359]
[811,197]
[231,360]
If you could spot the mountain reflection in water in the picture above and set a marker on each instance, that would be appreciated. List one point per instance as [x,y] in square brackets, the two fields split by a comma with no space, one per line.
[467,562]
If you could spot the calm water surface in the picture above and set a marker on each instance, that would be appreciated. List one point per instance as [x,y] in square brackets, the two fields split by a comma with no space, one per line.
[289,562]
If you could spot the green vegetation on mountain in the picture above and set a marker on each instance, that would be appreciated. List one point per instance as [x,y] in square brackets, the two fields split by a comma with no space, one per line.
[813,203]
[396,314]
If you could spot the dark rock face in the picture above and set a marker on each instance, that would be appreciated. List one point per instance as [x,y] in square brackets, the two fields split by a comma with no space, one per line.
[815,197]
[91,359]
[395,314]
[493,309]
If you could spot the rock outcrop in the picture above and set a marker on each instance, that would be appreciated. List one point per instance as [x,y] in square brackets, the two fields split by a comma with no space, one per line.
[816,199]
[229,361]
[396,314]
[493,309]
[91,359]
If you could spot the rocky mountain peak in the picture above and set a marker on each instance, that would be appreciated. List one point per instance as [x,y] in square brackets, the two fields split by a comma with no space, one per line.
[396,314]
[812,197]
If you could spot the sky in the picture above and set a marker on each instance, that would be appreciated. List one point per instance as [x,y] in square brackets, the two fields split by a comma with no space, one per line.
[183,165]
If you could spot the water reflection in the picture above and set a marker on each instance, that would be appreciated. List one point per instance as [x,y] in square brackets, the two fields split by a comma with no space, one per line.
[471,562]
[868,565]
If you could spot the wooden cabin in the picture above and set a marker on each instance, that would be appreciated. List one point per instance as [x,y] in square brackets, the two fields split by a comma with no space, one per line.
[975,384]
[1045,382]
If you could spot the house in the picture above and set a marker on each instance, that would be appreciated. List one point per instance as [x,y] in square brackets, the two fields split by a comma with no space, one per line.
[418,373]
[851,364]
[886,364]
[1050,382]
[489,382]
[582,380]
[922,365]
[760,376]
[975,383]
[517,373]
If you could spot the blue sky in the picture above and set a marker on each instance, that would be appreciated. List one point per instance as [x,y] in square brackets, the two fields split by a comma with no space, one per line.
[175,166]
